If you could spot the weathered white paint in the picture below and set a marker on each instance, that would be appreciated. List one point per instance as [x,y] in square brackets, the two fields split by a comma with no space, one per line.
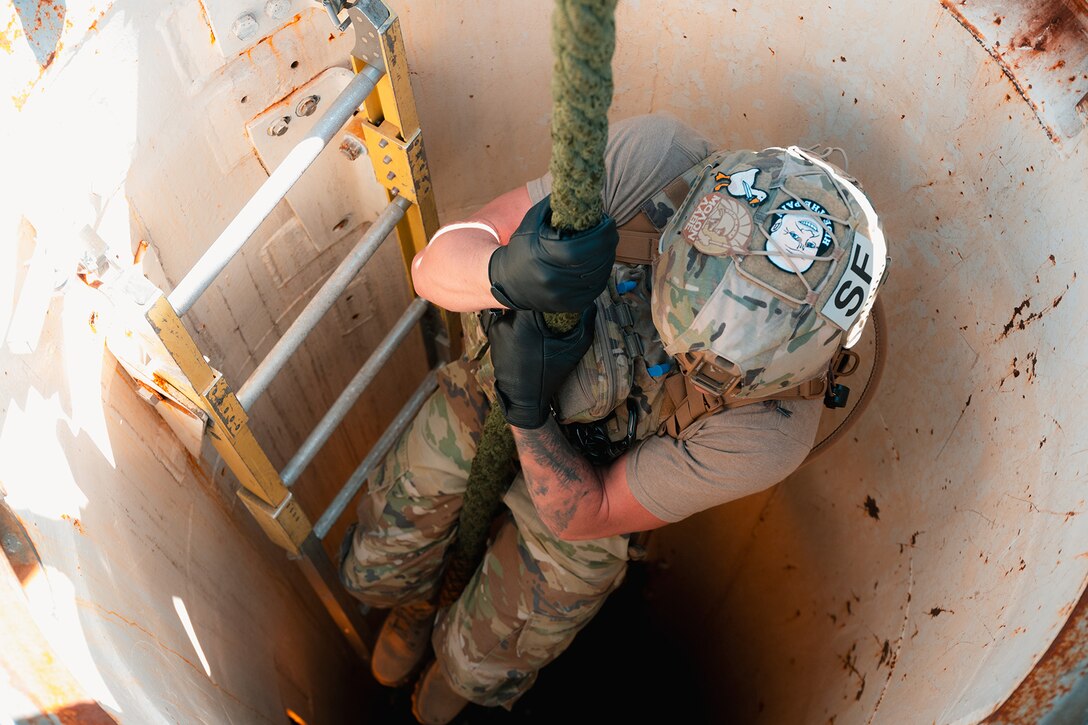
[972,454]
[974,499]
[158,594]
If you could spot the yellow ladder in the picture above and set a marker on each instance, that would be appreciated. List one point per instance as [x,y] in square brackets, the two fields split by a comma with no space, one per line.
[389,127]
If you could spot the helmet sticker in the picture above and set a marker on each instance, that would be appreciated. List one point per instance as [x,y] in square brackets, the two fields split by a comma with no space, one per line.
[719,225]
[856,285]
[741,185]
[802,236]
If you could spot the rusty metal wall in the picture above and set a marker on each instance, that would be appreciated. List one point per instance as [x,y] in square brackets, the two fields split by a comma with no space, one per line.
[919,571]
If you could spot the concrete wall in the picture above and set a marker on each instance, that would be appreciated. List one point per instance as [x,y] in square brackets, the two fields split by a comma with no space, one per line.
[917,571]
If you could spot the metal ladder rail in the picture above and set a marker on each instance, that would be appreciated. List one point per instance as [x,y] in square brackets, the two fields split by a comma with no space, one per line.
[390,127]
[272,191]
[321,302]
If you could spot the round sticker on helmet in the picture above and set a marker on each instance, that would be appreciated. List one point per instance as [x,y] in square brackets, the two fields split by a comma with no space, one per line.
[798,237]
[719,225]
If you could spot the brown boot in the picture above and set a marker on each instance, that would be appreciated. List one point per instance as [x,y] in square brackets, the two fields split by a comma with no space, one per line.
[402,642]
[434,702]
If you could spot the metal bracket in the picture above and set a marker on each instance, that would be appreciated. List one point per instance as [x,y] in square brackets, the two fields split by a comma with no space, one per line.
[329,198]
[333,8]
[371,23]
[230,433]
[238,25]
[278,521]
[371,12]
[397,164]
[392,137]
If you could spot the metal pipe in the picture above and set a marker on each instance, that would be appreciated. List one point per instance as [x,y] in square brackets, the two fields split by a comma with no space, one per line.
[322,302]
[389,437]
[275,187]
[323,430]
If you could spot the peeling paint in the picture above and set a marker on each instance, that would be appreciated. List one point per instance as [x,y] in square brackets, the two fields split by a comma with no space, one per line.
[43,23]
[1043,38]
[1063,664]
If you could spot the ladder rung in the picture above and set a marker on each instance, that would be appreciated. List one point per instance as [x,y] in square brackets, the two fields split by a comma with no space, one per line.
[377,453]
[322,302]
[272,191]
[324,429]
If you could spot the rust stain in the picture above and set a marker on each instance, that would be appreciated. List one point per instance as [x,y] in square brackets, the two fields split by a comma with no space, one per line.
[141,249]
[87,712]
[162,383]
[268,39]
[980,38]
[93,27]
[1051,677]
[158,642]
[1025,320]
[849,664]
[204,17]
[197,468]
[76,523]
[871,508]
[36,672]
[8,36]
[20,99]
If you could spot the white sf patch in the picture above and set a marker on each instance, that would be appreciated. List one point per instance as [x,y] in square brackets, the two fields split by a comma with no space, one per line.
[853,292]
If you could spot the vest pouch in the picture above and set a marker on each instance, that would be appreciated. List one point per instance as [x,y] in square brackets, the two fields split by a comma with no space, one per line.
[602,380]
[474,341]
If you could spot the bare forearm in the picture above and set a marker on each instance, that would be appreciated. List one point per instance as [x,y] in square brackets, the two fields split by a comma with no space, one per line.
[568,492]
[452,271]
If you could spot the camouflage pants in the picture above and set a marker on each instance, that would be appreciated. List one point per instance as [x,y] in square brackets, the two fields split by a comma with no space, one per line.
[533,592]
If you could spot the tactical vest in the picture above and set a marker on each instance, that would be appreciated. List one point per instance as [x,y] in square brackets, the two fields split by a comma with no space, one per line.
[627,387]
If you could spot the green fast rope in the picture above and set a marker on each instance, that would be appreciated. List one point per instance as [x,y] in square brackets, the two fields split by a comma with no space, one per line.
[583,40]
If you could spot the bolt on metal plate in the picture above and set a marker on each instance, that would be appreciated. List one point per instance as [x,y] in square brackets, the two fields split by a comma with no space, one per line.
[352,147]
[245,27]
[307,106]
[279,126]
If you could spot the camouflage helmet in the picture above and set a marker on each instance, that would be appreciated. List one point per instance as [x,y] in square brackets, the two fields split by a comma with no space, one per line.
[769,266]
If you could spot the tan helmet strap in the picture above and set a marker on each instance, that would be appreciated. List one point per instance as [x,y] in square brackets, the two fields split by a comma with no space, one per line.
[686,404]
[639,237]
[638,241]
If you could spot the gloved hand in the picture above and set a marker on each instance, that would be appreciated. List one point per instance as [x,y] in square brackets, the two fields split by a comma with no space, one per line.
[531,362]
[546,270]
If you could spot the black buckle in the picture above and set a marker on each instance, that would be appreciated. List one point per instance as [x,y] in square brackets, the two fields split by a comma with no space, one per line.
[592,441]
[836,396]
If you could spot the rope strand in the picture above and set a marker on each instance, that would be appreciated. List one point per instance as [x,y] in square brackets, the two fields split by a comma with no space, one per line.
[583,40]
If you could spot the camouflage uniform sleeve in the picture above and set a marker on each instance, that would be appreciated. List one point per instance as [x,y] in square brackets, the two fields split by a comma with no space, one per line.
[643,154]
[731,455]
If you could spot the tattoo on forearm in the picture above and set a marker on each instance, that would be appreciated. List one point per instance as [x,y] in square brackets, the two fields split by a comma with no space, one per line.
[561,482]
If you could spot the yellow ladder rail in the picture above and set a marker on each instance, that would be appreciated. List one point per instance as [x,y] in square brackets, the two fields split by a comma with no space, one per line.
[387,121]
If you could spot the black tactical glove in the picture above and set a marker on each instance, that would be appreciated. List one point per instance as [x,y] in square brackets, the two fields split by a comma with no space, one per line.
[531,362]
[546,270]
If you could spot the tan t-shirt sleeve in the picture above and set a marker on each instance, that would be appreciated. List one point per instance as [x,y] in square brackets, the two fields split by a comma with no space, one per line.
[730,455]
[643,154]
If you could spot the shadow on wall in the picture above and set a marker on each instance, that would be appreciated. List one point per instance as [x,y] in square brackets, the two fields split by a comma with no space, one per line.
[43,23]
